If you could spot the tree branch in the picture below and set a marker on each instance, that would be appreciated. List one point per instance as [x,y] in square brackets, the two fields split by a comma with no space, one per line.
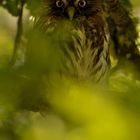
[19,33]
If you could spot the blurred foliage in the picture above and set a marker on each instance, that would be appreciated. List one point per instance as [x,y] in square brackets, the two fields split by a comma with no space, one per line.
[34,6]
[36,103]
[5,52]
[12,6]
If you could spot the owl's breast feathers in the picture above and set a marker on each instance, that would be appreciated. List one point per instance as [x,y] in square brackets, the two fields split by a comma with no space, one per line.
[88,55]
[87,51]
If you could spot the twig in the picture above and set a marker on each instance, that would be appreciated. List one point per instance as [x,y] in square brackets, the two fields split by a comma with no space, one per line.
[18,37]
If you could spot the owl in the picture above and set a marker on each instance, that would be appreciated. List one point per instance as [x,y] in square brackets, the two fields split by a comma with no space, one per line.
[82,31]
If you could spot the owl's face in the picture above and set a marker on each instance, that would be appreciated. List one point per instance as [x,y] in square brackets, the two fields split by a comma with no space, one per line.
[72,9]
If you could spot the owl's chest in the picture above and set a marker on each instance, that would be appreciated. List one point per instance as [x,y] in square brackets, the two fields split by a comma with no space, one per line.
[85,48]
[87,55]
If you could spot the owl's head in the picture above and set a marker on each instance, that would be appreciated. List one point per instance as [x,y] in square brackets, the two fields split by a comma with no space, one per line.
[71,9]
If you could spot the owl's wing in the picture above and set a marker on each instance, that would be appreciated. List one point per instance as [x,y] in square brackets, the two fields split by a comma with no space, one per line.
[122,28]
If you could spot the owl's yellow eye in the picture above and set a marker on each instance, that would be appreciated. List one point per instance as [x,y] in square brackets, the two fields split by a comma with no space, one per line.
[59,3]
[82,3]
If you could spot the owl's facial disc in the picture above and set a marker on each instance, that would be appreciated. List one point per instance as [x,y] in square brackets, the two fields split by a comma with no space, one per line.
[70,8]
[73,6]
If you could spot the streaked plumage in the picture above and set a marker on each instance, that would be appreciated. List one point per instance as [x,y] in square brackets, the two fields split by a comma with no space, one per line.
[87,51]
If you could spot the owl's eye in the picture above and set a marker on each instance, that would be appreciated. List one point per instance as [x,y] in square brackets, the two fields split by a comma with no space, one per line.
[59,3]
[82,3]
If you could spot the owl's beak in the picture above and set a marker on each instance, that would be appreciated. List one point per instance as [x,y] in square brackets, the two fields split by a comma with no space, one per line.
[71,12]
